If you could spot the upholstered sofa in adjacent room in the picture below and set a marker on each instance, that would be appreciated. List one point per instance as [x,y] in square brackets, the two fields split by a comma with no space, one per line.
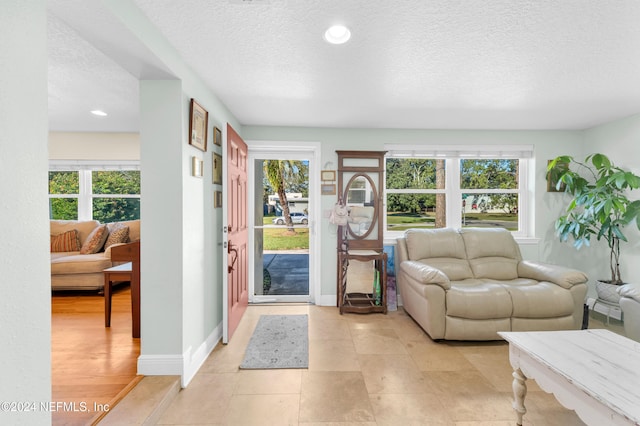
[468,284]
[81,250]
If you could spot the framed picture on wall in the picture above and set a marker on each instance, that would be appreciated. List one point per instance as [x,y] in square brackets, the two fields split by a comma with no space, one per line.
[198,123]
[217,199]
[328,189]
[217,136]
[217,169]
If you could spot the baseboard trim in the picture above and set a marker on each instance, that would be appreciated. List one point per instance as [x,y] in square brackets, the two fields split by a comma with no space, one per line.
[160,365]
[185,365]
[192,363]
[327,300]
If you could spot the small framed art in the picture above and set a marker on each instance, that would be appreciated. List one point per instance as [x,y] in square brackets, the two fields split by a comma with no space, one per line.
[328,175]
[198,123]
[217,136]
[217,169]
[328,189]
[217,199]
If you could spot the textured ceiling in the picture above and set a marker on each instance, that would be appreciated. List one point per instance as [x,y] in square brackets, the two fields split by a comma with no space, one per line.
[483,64]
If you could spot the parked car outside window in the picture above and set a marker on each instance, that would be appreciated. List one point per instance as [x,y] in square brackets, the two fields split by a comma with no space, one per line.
[296,217]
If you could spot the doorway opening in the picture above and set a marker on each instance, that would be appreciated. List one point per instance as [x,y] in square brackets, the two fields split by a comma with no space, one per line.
[282,225]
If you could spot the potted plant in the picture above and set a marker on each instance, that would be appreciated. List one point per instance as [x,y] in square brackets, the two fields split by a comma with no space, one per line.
[599,207]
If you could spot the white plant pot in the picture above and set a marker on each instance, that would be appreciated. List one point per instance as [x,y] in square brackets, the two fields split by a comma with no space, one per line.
[607,292]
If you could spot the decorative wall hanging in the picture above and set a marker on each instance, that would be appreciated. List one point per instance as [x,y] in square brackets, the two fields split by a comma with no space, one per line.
[328,175]
[198,123]
[217,199]
[217,136]
[328,189]
[196,166]
[217,169]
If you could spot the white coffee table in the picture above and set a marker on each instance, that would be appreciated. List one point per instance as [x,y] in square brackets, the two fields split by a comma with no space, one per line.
[596,373]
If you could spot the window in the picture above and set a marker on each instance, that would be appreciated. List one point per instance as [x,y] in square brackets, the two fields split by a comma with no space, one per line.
[456,187]
[88,190]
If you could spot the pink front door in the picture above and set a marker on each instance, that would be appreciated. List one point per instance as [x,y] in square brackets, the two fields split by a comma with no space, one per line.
[238,233]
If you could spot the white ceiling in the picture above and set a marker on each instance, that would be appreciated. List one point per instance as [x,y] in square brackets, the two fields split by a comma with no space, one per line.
[445,64]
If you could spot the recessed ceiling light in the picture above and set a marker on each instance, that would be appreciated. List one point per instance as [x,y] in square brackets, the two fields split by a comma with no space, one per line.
[337,34]
[99,113]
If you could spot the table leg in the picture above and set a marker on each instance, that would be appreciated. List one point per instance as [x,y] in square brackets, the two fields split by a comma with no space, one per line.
[107,300]
[519,392]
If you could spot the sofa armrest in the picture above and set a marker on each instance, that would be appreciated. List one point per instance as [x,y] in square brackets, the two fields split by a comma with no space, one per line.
[107,252]
[559,275]
[631,291]
[425,274]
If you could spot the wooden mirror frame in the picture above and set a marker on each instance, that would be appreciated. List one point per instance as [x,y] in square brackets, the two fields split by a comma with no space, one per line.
[371,165]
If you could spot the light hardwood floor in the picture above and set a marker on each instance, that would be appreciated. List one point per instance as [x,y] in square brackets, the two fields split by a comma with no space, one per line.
[92,366]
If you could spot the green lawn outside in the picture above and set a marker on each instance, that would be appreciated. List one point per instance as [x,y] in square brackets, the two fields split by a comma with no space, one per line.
[277,238]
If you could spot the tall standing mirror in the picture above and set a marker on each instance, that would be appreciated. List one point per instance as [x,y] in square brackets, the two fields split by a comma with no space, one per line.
[360,179]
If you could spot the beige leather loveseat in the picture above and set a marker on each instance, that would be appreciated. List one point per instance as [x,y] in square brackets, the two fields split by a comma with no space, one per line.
[469,284]
[78,264]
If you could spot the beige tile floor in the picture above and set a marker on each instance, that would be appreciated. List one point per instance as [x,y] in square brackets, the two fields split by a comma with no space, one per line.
[363,370]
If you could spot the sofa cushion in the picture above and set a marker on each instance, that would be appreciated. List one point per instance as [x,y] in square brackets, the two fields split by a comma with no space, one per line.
[478,299]
[95,241]
[498,268]
[84,227]
[79,264]
[489,242]
[532,299]
[67,241]
[454,269]
[429,243]
[134,230]
[118,233]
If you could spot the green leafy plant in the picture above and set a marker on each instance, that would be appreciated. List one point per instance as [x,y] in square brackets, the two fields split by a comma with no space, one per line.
[599,205]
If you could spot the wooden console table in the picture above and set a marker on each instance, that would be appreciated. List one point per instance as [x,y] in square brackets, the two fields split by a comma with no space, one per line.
[593,372]
[362,303]
[129,253]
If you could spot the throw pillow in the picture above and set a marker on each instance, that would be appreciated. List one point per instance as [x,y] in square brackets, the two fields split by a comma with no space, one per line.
[118,233]
[95,240]
[67,241]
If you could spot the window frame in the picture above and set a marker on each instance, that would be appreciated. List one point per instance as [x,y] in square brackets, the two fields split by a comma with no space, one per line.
[85,169]
[453,154]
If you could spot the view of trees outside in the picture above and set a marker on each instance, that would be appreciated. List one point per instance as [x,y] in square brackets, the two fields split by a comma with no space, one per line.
[416,193]
[64,183]
[292,177]
[282,177]
[115,209]
[109,190]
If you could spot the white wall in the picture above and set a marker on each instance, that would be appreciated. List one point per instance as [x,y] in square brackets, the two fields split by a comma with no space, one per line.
[94,146]
[25,279]
[547,145]
[619,140]
[189,273]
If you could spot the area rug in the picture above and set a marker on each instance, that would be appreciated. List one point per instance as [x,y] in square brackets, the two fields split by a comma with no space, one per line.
[279,341]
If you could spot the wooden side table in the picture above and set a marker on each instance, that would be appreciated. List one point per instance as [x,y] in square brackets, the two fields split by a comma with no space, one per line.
[122,272]
[362,303]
